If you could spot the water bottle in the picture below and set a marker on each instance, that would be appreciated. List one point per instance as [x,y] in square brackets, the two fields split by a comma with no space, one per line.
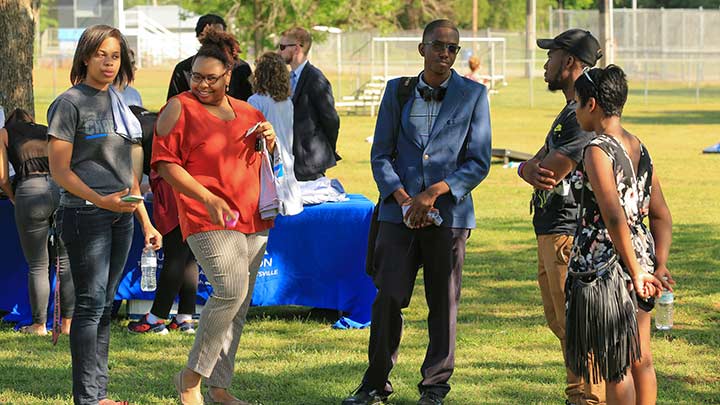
[148,266]
[664,311]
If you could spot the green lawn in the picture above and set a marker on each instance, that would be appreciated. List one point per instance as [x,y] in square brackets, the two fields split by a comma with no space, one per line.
[505,353]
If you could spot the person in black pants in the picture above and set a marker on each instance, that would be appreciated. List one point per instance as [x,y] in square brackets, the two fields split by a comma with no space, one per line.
[427,157]
[179,275]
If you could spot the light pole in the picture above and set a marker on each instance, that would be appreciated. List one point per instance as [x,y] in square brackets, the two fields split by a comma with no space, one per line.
[338,31]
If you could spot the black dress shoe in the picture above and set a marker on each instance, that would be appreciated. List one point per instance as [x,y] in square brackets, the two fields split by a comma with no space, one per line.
[364,397]
[430,398]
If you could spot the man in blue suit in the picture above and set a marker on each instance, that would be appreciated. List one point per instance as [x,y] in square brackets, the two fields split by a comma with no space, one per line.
[427,157]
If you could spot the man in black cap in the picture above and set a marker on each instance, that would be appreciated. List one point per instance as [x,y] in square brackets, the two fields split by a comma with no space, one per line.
[555,209]
[239,87]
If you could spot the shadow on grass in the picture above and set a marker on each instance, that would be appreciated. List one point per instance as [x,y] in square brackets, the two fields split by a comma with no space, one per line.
[687,390]
[500,292]
[293,313]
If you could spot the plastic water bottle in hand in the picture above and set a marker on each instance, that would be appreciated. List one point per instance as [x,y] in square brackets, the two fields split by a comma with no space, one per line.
[148,266]
[664,311]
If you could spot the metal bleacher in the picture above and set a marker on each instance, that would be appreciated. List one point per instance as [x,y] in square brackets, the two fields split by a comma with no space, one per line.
[365,99]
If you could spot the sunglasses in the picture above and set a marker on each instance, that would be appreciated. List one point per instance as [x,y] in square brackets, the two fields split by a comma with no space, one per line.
[209,79]
[585,72]
[439,46]
[283,46]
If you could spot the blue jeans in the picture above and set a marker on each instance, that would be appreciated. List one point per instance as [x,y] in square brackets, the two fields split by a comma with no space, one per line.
[98,242]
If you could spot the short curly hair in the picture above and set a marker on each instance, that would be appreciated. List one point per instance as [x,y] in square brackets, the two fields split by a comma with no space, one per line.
[607,86]
[271,77]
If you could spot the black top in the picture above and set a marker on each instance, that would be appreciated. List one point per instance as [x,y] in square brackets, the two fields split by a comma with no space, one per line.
[556,210]
[27,149]
[592,247]
[240,86]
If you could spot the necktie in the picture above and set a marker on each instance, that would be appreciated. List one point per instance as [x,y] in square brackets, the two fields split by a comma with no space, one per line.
[293,81]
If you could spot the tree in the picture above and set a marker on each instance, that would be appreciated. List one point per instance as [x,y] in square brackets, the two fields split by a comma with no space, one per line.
[257,23]
[17,31]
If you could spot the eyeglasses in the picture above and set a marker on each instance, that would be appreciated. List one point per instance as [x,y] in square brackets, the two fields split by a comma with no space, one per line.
[439,46]
[283,46]
[209,79]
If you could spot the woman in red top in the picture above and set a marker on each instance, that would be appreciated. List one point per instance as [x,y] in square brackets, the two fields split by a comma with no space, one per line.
[202,150]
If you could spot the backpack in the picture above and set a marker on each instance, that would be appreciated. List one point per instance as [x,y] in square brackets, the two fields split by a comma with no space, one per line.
[405,90]
[147,122]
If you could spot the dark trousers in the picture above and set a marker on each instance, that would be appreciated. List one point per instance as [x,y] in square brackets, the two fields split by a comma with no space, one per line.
[179,276]
[309,177]
[399,253]
[98,242]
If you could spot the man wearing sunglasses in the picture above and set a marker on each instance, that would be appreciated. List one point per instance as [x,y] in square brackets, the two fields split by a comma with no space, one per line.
[428,154]
[315,120]
[554,207]
[239,86]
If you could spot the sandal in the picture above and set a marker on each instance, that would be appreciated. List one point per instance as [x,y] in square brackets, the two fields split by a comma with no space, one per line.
[198,400]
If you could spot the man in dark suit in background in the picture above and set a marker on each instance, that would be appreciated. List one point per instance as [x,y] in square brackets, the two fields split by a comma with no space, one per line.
[316,123]
[240,87]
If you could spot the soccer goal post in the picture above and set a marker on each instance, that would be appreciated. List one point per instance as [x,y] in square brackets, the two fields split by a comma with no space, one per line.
[398,56]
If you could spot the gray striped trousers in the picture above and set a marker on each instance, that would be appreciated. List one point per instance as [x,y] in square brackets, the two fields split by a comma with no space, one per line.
[230,260]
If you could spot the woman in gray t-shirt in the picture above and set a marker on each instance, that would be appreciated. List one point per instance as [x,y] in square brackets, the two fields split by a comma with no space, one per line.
[90,144]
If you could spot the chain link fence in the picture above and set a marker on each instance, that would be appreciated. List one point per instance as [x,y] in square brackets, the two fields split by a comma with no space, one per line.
[657,44]
[656,47]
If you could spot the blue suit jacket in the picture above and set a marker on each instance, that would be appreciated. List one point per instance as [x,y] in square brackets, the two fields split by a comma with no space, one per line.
[457,151]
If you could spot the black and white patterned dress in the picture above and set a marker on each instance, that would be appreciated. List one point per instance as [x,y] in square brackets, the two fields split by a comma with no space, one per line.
[592,246]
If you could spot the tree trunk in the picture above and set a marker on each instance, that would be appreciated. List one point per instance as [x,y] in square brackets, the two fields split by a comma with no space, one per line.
[17,31]
[258,36]
[530,34]
[606,31]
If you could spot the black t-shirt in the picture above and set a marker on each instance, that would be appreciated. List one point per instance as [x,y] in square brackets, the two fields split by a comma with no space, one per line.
[556,210]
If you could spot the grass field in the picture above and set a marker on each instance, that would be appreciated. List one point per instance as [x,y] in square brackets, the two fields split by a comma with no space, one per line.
[505,353]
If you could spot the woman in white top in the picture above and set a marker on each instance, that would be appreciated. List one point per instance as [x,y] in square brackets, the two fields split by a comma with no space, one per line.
[271,86]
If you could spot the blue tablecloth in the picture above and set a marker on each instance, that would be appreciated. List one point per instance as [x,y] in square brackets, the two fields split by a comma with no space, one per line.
[316,259]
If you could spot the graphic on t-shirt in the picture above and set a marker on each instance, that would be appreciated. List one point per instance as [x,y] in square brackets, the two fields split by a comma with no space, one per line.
[95,136]
[556,209]
[97,127]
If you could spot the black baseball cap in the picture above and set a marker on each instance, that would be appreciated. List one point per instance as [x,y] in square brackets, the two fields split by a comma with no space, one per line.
[578,42]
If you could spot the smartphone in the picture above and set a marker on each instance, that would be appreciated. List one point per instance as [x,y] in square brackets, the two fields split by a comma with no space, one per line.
[133,198]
